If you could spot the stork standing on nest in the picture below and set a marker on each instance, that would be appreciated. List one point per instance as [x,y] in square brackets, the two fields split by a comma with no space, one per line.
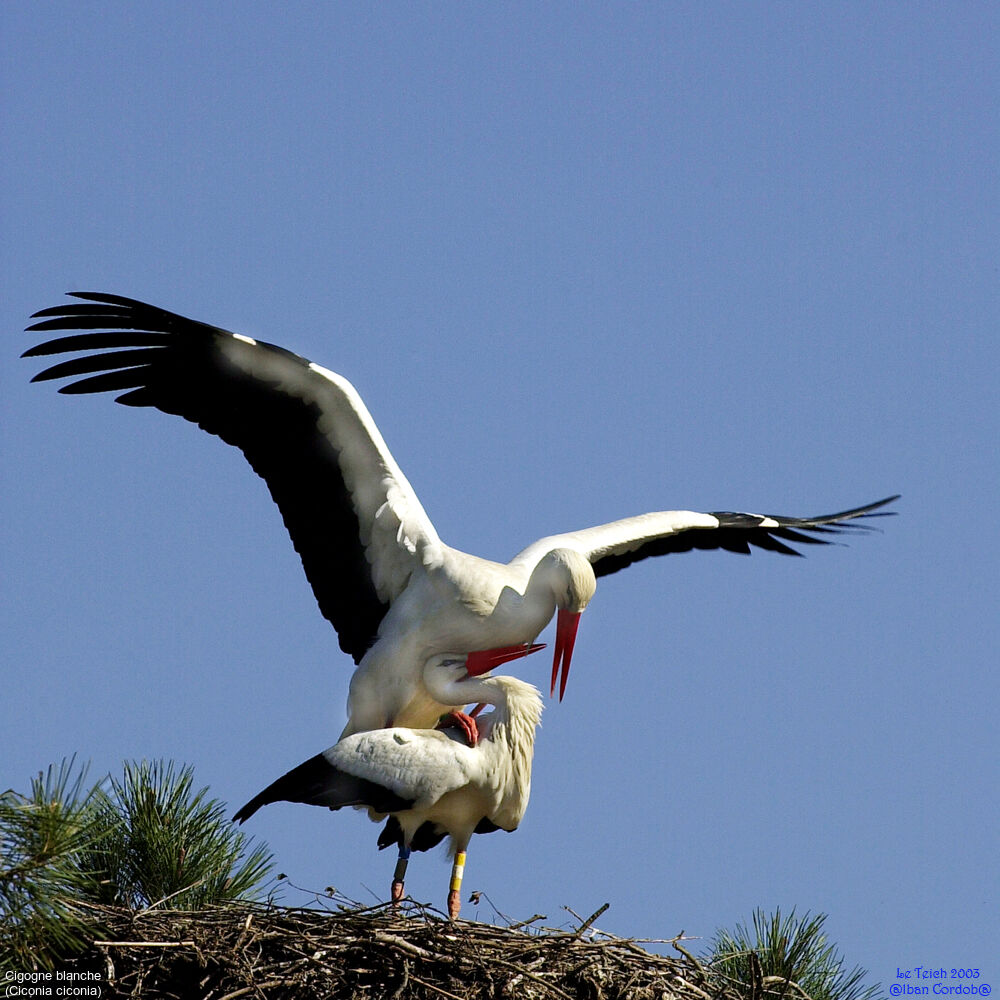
[431,783]
[396,594]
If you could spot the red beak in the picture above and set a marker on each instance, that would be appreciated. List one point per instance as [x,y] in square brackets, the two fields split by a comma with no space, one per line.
[566,625]
[484,660]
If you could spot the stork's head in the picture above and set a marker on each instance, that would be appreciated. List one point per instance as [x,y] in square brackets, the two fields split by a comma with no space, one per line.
[573,585]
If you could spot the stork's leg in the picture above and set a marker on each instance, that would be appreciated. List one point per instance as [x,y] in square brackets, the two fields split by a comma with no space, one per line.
[399,875]
[455,890]
[461,720]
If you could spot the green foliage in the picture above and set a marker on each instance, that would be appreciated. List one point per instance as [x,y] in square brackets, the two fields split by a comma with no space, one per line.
[172,844]
[147,840]
[43,835]
[787,957]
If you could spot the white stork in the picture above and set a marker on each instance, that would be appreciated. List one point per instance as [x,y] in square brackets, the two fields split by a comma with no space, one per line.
[395,593]
[429,780]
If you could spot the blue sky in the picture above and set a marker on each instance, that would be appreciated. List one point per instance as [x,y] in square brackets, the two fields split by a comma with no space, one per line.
[582,261]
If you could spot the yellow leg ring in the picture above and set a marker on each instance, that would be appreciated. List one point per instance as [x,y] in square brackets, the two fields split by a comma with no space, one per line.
[457,872]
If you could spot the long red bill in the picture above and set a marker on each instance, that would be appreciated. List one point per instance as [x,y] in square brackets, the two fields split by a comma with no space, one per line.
[484,660]
[567,623]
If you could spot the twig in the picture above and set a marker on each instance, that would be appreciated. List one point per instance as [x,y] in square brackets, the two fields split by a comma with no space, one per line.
[768,980]
[590,920]
[250,989]
[398,992]
[692,987]
[756,977]
[411,948]
[153,906]
[431,986]
[532,975]
[702,978]
[144,944]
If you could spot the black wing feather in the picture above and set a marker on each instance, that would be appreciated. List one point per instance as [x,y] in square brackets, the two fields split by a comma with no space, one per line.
[175,364]
[127,378]
[316,782]
[741,532]
[94,363]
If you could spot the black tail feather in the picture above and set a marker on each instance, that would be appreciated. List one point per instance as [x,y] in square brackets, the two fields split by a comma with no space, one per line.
[317,782]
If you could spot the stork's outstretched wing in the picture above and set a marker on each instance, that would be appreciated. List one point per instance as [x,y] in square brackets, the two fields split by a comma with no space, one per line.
[611,547]
[353,518]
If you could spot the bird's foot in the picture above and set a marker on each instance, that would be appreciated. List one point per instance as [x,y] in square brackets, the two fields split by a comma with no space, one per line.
[396,893]
[454,904]
[463,721]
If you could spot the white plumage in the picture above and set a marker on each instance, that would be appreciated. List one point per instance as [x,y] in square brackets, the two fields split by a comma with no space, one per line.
[430,781]
[396,594]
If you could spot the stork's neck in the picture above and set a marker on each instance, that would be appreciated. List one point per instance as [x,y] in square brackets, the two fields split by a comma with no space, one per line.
[512,725]
[507,741]
[517,708]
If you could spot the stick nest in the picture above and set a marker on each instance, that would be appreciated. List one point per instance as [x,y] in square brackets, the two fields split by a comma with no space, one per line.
[349,953]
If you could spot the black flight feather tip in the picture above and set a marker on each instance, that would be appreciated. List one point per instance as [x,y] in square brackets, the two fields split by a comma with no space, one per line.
[740,532]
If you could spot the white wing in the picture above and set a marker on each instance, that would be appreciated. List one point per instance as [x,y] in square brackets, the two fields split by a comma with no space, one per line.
[417,765]
[611,547]
[387,770]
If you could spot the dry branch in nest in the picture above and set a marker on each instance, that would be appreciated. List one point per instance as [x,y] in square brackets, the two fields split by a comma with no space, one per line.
[258,951]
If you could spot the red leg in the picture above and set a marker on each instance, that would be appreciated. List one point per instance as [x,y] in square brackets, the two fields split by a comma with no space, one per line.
[464,722]
[399,875]
[455,886]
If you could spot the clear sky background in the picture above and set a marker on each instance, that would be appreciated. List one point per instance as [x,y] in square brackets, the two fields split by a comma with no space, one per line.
[582,261]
